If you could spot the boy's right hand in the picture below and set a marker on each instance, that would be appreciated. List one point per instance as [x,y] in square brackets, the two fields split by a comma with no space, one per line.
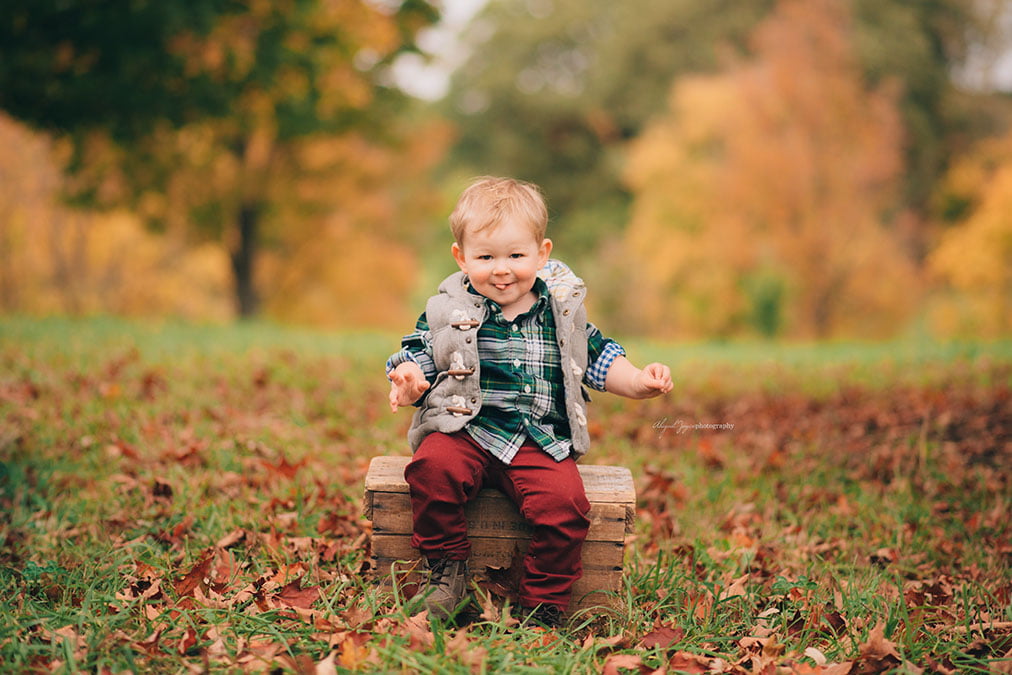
[407,384]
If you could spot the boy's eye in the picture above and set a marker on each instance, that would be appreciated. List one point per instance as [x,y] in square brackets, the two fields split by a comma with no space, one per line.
[484,256]
[516,255]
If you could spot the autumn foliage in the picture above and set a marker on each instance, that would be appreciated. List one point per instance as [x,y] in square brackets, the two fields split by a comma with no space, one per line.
[337,262]
[55,259]
[975,256]
[766,197]
[783,190]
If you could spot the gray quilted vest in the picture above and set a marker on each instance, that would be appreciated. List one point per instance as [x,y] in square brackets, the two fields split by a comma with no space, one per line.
[455,314]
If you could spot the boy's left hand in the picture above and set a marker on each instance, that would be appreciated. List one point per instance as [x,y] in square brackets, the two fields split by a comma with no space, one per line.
[653,380]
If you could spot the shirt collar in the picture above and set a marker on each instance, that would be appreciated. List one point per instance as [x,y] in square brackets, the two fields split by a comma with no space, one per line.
[537,309]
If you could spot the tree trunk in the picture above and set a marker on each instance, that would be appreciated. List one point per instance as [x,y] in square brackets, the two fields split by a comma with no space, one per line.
[243,256]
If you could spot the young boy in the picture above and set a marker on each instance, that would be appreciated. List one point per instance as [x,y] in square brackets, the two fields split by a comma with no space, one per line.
[495,367]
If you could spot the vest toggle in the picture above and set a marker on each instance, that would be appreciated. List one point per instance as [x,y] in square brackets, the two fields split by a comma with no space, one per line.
[458,406]
[457,368]
[461,321]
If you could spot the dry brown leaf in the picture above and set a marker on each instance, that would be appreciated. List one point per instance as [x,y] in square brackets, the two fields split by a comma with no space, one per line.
[471,655]
[150,643]
[188,640]
[838,668]
[617,641]
[816,655]
[417,629]
[616,661]
[687,662]
[1004,665]
[663,635]
[232,538]
[877,654]
[327,665]
[196,575]
[293,595]
[736,589]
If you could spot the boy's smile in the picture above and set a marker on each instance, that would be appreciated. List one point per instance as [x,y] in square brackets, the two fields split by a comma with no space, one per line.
[502,263]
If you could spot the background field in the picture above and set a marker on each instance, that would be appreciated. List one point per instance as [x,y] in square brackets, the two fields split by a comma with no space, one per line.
[186,497]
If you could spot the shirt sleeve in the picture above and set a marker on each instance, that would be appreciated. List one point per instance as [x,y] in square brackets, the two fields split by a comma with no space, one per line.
[417,348]
[601,353]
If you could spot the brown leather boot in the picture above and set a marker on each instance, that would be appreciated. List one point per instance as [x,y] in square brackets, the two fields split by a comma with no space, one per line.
[546,616]
[446,587]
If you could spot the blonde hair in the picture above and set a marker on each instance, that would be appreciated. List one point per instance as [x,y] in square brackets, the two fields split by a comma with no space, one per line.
[489,201]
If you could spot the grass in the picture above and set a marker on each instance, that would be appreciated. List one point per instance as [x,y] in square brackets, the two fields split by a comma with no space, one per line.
[182,497]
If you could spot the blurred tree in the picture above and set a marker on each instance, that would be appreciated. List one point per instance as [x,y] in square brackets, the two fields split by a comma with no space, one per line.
[935,39]
[554,89]
[773,183]
[57,259]
[77,66]
[976,256]
[202,111]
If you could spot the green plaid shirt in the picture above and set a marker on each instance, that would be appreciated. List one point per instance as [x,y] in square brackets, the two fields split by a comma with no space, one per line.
[521,377]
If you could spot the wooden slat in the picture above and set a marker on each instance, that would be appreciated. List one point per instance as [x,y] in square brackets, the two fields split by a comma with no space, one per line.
[495,552]
[386,474]
[492,514]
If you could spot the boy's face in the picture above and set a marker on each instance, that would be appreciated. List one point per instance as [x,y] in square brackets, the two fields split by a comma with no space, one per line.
[503,262]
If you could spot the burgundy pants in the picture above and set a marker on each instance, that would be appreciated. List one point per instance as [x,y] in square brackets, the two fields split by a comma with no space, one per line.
[447,471]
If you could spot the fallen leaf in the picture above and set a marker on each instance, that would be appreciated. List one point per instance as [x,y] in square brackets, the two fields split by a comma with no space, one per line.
[150,643]
[710,456]
[1004,665]
[470,654]
[663,636]
[231,539]
[815,655]
[353,655]
[327,666]
[617,641]
[616,661]
[877,654]
[844,668]
[736,589]
[284,468]
[196,575]
[687,662]
[293,595]
[504,582]
[417,629]
[188,640]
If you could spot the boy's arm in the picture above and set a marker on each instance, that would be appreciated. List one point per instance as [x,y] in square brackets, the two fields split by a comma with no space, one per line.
[610,370]
[627,380]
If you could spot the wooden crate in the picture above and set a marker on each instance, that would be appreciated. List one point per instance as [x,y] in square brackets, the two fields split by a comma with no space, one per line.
[498,533]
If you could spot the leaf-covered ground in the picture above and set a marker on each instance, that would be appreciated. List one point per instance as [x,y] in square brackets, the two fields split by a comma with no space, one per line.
[181,498]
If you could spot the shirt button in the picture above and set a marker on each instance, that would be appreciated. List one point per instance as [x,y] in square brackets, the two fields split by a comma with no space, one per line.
[527,388]
[516,363]
[514,328]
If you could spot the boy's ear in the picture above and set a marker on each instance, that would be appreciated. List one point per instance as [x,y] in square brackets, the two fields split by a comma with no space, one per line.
[458,255]
[544,252]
